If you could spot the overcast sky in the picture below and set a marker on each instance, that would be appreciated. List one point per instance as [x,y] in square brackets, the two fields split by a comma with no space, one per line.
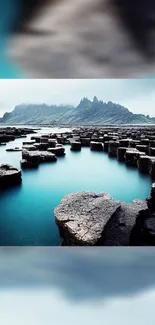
[138,95]
[44,286]
[29,307]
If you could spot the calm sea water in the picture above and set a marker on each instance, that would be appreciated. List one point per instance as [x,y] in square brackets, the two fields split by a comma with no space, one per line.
[26,211]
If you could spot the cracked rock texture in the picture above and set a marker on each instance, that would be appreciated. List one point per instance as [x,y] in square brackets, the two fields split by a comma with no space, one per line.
[87,218]
[118,231]
[81,217]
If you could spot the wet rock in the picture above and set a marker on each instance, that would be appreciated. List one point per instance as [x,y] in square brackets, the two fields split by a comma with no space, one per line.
[151,199]
[96,146]
[7,138]
[143,232]
[29,147]
[9,175]
[43,146]
[45,156]
[11,133]
[26,164]
[134,143]
[152,144]
[75,145]
[29,142]
[143,164]
[152,151]
[132,156]
[145,142]
[152,167]
[58,151]
[85,142]
[36,138]
[39,156]
[124,143]
[44,139]
[52,143]
[121,151]
[112,149]
[142,148]
[30,155]
[118,230]
[13,149]
[106,145]
[86,218]
[82,217]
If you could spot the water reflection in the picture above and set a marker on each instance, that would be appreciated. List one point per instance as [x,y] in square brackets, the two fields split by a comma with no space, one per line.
[66,286]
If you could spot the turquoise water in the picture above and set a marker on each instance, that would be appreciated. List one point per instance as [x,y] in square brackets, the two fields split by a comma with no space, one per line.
[26,211]
[9,13]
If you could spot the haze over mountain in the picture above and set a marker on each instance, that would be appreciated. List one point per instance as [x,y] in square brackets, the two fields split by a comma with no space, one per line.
[86,113]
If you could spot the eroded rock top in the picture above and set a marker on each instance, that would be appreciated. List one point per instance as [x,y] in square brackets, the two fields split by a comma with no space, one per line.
[81,217]
[9,175]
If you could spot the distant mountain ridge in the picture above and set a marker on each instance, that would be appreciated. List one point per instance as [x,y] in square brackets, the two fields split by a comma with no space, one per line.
[95,112]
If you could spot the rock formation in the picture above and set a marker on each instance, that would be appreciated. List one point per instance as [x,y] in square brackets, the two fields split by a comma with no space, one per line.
[9,175]
[91,219]
[81,217]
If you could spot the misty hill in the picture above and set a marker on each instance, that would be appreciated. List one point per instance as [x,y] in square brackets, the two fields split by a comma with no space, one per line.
[86,113]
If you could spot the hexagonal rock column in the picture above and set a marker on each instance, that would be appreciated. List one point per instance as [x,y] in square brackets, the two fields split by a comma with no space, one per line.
[38,156]
[96,146]
[118,230]
[143,164]
[29,147]
[152,167]
[52,143]
[85,142]
[44,139]
[75,145]
[82,217]
[132,156]
[112,149]
[106,145]
[58,151]
[152,151]
[36,138]
[124,142]
[152,144]
[143,232]
[45,156]
[9,175]
[142,148]
[25,164]
[121,153]
[151,199]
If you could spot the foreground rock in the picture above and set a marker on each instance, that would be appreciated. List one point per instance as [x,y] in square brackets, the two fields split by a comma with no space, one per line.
[81,217]
[86,218]
[9,175]
[119,229]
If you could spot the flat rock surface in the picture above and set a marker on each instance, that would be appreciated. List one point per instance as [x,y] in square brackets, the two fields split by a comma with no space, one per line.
[9,175]
[118,229]
[40,155]
[7,170]
[83,216]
